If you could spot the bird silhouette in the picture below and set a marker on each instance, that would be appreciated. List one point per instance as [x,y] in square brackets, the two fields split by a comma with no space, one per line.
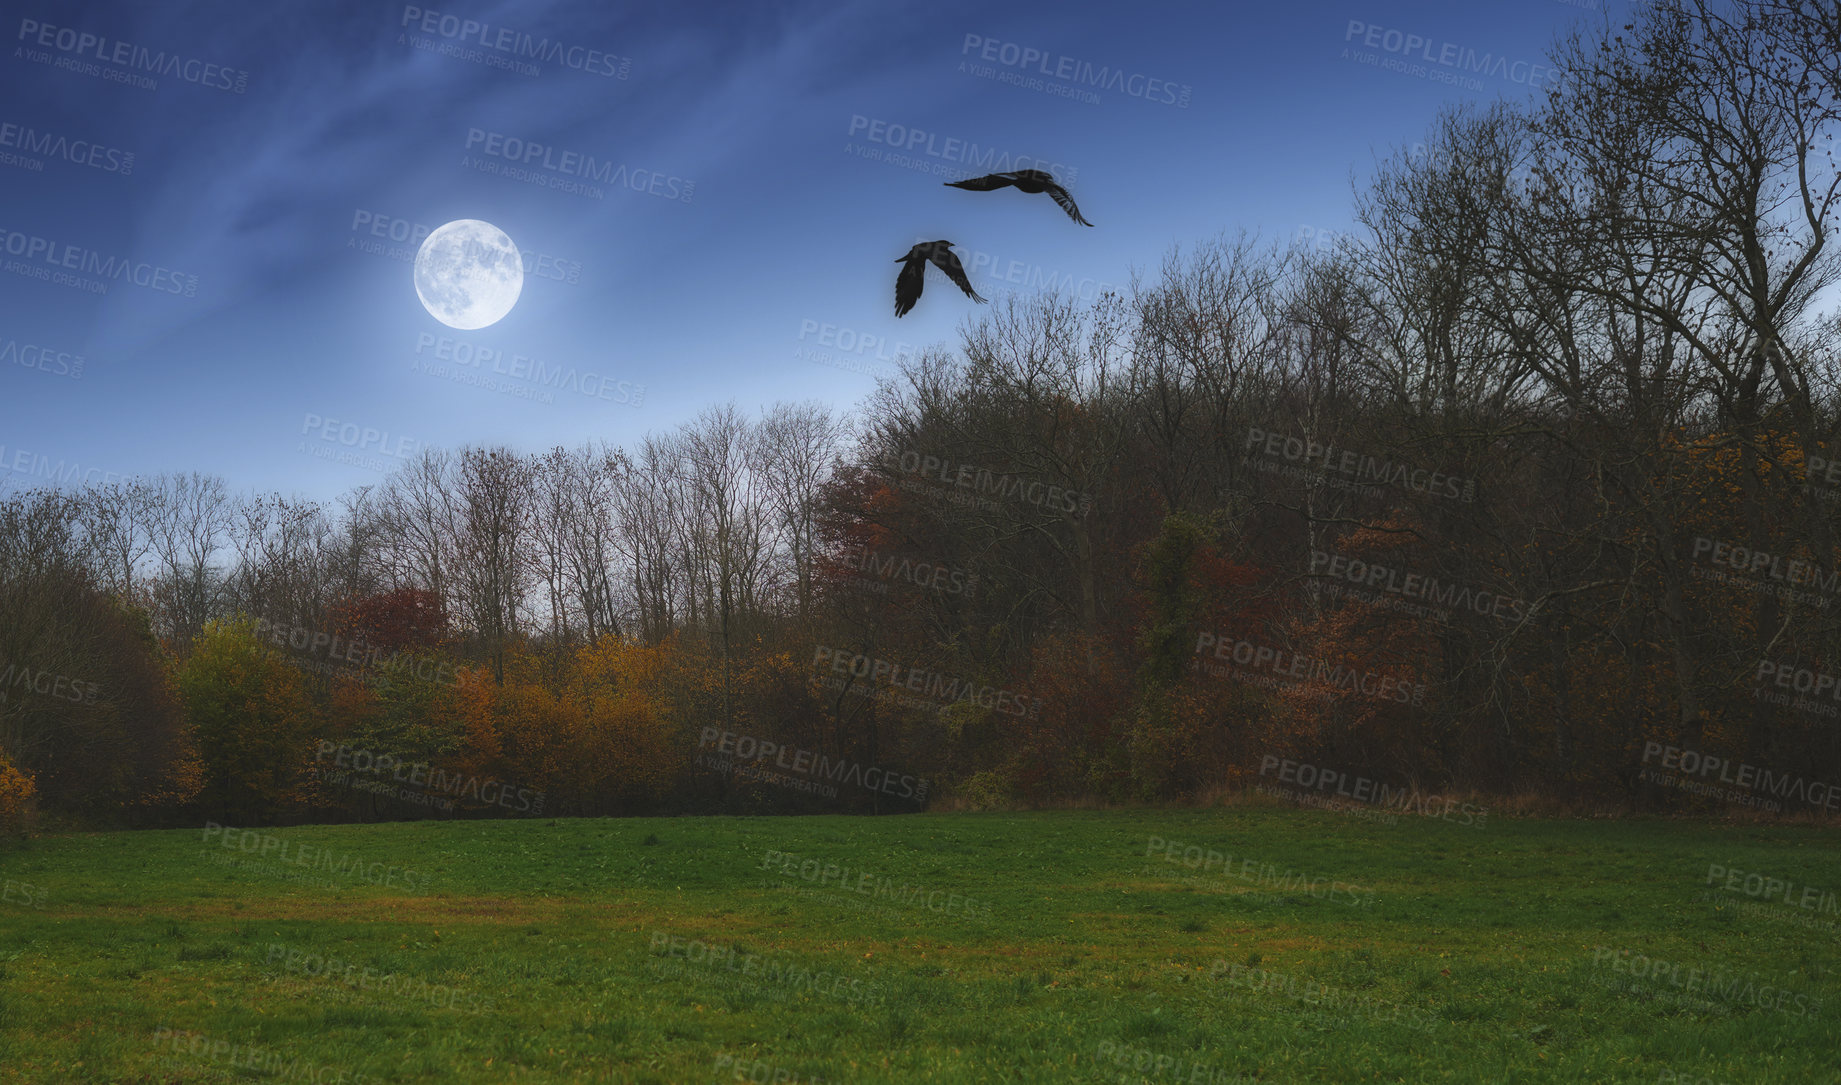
[1030,181]
[914,273]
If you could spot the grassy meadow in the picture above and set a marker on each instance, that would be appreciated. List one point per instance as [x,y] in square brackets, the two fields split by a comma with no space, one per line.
[1223,945]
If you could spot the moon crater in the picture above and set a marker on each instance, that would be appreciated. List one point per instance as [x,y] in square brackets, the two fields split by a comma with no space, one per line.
[468,274]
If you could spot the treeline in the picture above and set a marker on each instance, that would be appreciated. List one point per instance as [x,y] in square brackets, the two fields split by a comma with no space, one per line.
[1534,478]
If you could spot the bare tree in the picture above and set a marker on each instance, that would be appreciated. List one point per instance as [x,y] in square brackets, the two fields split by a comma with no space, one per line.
[649,502]
[796,448]
[119,519]
[192,517]
[419,511]
[281,545]
[495,492]
[728,526]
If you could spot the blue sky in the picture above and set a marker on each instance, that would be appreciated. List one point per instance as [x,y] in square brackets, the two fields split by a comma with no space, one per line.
[277,148]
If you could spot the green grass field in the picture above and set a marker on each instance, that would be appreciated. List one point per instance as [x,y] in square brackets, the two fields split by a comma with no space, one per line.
[1312,947]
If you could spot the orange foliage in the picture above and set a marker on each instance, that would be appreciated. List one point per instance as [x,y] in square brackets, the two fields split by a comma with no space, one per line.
[16,791]
[600,740]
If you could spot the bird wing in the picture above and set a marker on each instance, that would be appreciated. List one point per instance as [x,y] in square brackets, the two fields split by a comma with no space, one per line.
[986,183]
[1066,201]
[908,284]
[949,263]
[1043,176]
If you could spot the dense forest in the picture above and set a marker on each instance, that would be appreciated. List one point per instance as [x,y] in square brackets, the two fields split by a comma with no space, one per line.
[1526,488]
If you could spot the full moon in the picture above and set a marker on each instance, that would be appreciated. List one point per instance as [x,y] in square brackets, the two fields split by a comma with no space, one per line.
[469,274]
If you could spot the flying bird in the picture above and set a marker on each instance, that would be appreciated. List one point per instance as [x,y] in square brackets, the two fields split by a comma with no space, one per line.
[914,272]
[1030,181]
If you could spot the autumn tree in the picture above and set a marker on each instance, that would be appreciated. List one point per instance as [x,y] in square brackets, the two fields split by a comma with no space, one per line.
[250,711]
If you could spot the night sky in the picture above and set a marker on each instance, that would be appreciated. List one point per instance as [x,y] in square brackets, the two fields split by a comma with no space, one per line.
[215,206]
